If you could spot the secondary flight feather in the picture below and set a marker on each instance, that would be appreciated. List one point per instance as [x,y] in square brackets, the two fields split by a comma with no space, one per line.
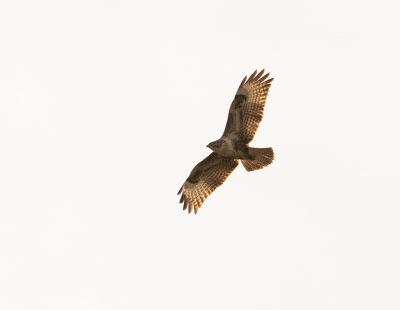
[245,115]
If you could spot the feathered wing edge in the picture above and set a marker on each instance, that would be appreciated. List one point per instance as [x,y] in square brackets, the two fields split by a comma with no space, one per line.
[256,79]
[209,174]
[255,89]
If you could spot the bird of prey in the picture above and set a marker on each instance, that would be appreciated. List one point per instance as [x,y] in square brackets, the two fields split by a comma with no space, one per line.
[245,115]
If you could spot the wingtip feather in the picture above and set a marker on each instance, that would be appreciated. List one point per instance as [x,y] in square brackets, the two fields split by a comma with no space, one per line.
[264,78]
[244,80]
[259,75]
[180,191]
[251,78]
[268,81]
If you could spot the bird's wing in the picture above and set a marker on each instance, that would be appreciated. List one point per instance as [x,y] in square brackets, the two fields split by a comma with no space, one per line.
[247,108]
[205,177]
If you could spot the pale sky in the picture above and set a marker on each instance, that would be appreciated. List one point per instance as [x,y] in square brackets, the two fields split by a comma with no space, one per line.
[106,107]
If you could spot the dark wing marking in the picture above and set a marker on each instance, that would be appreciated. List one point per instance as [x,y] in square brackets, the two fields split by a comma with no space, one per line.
[205,177]
[247,108]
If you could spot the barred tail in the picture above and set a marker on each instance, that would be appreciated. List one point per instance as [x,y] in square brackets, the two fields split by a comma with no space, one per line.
[262,158]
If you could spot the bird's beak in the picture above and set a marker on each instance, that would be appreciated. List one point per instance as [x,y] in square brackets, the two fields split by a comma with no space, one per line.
[208,145]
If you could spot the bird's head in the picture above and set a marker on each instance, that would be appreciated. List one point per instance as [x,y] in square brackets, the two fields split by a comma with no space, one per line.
[216,145]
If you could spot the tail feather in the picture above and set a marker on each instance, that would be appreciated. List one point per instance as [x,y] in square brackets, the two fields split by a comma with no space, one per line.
[262,158]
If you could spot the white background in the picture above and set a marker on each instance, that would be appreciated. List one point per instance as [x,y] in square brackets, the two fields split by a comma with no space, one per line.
[106,106]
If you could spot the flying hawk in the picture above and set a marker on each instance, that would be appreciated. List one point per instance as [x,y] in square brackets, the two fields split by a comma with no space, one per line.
[245,115]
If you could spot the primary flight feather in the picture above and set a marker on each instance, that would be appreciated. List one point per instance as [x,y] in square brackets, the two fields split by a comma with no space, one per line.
[245,115]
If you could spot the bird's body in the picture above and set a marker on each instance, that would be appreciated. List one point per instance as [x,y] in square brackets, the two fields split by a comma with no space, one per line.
[230,147]
[245,115]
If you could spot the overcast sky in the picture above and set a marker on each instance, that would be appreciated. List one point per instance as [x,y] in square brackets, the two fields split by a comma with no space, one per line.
[106,107]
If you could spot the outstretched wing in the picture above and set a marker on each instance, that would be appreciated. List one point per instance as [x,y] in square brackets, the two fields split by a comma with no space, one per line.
[247,108]
[205,177]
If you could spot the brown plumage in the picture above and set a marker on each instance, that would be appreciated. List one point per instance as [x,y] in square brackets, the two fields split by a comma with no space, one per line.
[245,115]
